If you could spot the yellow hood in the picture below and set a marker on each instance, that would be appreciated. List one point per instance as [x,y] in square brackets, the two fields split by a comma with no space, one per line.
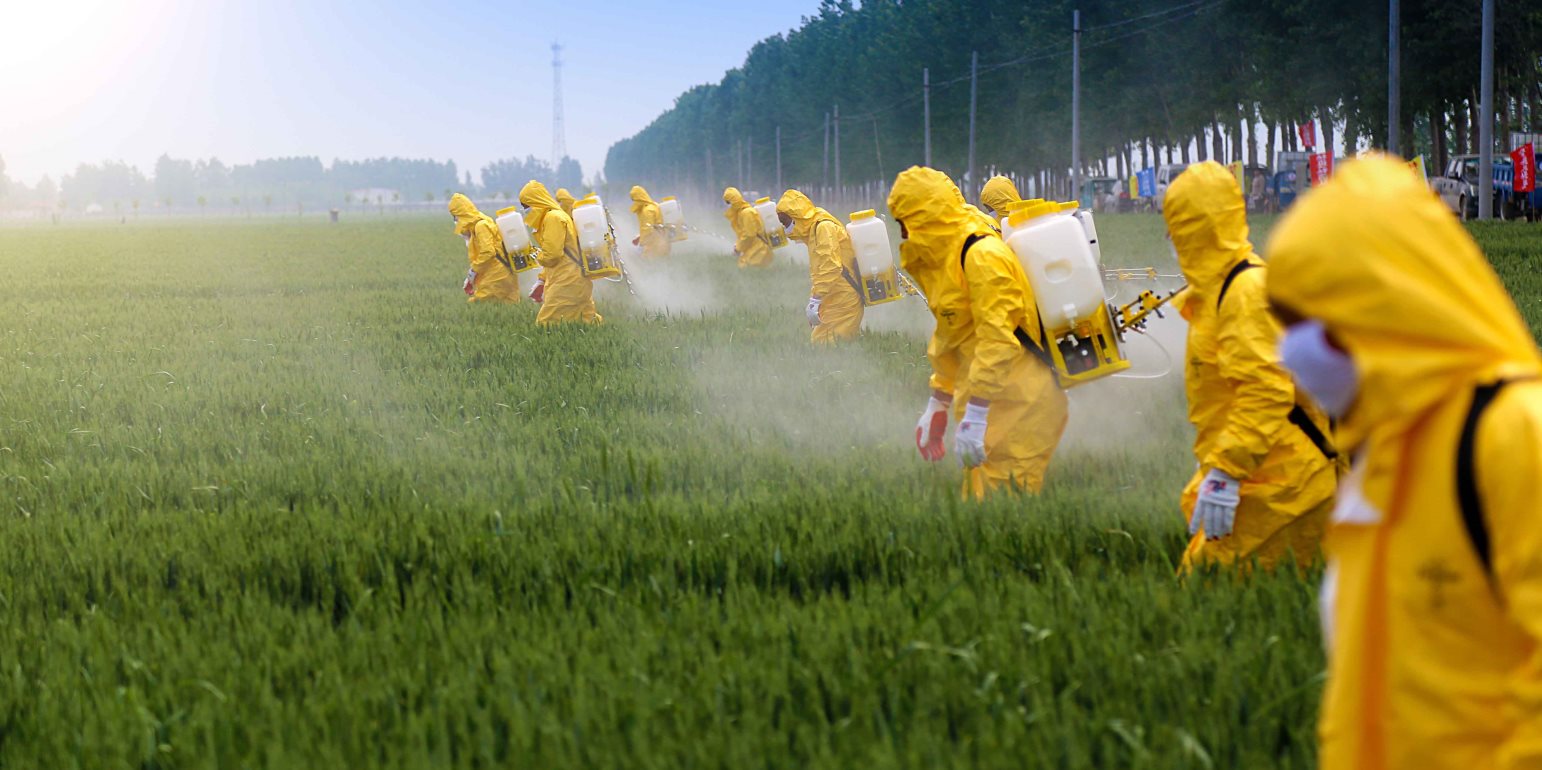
[735,201]
[1403,288]
[804,214]
[997,193]
[1207,220]
[534,196]
[565,199]
[640,199]
[935,216]
[465,213]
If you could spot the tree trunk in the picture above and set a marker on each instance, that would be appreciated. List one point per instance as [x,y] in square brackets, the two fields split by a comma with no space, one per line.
[1326,122]
[1438,139]
[1474,131]
[1249,154]
[1269,129]
[1459,146]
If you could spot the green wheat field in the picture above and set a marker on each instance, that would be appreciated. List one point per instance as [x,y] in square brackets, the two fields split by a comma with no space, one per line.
[275,496]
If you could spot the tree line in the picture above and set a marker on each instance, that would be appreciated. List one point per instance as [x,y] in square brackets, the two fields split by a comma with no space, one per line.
[282,183]
[1161,81]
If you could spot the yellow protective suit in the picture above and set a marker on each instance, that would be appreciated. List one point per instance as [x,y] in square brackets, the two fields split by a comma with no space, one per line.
[651,235]
[832,267]
[1240,399]
[997,193]
[979,303]
[569,295]
[1434,662]
[566,200]
[751,242]
[495,282]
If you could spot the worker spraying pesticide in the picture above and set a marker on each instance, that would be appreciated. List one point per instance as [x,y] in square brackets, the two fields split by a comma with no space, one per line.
[1267,464]
[652,237]
[834,308]
[491,277]
[752,245]
[1012,410]
[1398,326]
[564,292]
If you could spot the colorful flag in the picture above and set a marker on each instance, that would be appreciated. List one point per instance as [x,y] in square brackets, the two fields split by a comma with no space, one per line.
[1417,164]
[1322,167]
[1308,131]
[1147,180]
[1525,162]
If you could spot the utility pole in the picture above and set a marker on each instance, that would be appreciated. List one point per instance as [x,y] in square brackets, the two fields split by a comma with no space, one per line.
[559,142]
[1486,117]
[1394,77]
[824,175]
[838,148]
[1076,104]
[778,190]
[926,113]
[972,187]
[878,149]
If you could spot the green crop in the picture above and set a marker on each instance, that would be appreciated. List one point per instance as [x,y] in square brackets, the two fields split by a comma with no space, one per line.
[275,496]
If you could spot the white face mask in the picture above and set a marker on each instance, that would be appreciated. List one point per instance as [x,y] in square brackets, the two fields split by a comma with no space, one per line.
[468,238]
[790,228]
[1323,371]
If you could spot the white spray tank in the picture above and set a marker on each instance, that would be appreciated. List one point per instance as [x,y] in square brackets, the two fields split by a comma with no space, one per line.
[674,218]
[876,275]
[597,259]
[516,238]
[1079,333]
[767,211]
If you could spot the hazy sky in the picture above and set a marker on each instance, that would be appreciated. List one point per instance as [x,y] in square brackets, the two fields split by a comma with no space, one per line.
[468,81]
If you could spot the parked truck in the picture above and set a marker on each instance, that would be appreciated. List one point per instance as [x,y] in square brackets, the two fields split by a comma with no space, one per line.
[1458,189]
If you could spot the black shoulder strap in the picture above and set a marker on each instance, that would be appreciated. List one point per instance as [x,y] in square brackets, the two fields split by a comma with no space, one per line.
[1040,348]
[1299,418]
[1242,267]
[1466,480]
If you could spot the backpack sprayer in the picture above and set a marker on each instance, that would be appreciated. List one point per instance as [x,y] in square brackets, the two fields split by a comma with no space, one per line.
[674,219]
[598,256]
[1081,335]
[773,226]
[516,239]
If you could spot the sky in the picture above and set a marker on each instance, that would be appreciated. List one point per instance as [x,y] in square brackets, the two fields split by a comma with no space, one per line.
[92,80]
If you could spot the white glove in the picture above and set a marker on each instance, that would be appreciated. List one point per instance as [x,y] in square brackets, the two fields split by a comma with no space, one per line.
[471,282]
[1215,509]
[813,311]
[931,428]
[969,439]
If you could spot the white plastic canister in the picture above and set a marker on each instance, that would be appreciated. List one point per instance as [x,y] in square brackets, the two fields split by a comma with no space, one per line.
[766,208]
[589,218]
[669,209]
[1054,252]
[511,224]
[870,240]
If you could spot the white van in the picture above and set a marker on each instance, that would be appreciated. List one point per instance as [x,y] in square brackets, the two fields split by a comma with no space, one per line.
[1164,177]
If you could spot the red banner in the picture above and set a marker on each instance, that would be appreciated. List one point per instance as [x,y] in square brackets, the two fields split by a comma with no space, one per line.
[1308,132]
[1525,164]
[1322,167]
